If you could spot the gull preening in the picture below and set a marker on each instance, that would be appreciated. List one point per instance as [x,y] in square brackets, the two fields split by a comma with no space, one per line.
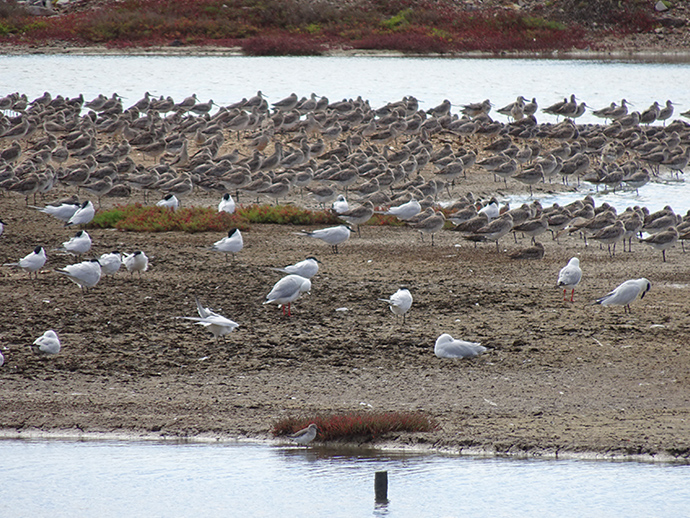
[77,245]
[307,268]
[448,347]
[82,215]
[305,435]
[32,262]
[47,344]
[287,290]
[85,274]
[170,201]
[217,324]
[569,277]
[626,293]
[331,235]
[405,211]
[110,262]
[227,204]
[400,302]
[136,262]
[63,212]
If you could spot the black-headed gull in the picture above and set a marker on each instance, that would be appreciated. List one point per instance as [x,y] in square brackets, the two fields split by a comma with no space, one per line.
[2,360]
[331,235]
[32,262]
[227,204]
[77,245]
[136,262]
[448,347]
[46,344]
[231,244]
[569,277]
[305,435]
[217,324]
[287,290]
[85,274]
[2,226]
[169,201]
[110,262]
[83,215]
[307,268]
[626,293]
[400,302]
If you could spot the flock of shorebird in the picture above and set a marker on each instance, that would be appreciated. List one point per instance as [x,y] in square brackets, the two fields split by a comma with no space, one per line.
[397,159]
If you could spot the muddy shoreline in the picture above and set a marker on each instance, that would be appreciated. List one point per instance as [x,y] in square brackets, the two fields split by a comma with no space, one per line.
[558,378]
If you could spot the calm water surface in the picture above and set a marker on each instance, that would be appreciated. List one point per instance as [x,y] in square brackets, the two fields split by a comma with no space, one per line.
[109,478]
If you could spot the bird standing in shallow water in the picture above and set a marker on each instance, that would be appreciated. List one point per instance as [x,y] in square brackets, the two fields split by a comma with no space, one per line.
[306,435]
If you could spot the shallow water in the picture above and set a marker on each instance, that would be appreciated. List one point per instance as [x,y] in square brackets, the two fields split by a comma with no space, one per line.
[112,478]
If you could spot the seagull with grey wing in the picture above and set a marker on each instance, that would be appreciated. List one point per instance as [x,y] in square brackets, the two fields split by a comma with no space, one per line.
[287,290]
[214,322]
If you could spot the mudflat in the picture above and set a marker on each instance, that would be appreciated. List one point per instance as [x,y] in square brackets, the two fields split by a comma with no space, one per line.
[558,377]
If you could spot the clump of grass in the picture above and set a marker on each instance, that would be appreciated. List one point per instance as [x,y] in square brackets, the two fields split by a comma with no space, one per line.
[141,218]
[286,215]
[144,218]
[356,425]
[298,27]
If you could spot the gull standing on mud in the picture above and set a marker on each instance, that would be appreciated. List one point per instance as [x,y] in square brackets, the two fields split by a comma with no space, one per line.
[85,274]
[626,293]
[136,262]
[400,302]
[110,262]
[569,277]
[305,435]
[331,235]
[287,290]
[307,268]
[448,347]
[231,244]
[32,262]
[77,245]
[83,214]
[47,344]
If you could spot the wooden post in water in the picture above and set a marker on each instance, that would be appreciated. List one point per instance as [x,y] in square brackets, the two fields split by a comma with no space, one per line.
[381,486]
